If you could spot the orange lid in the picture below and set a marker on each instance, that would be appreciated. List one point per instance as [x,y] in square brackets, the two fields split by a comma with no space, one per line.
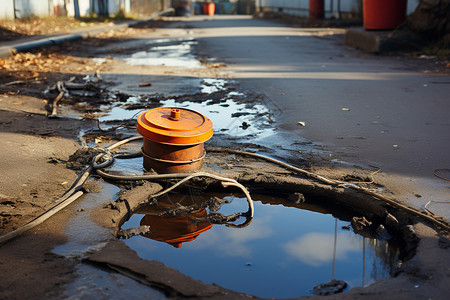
[176,126]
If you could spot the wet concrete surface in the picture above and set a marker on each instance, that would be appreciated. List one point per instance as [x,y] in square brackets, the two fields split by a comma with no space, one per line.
[389,112]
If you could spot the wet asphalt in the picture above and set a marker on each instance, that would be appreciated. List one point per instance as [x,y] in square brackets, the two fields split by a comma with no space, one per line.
[369,111]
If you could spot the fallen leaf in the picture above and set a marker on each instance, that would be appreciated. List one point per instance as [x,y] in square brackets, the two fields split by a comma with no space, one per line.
[216,65]
[301,123]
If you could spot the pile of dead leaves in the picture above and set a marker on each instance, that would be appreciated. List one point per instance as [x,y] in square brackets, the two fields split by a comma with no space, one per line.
[118,33]
[23,66]
[15,29]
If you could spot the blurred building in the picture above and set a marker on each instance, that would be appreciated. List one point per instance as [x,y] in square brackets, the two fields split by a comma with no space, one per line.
[20,9]
[346,9]
[82,8]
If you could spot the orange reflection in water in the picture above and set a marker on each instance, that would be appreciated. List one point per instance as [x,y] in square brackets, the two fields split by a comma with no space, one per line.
[176,230]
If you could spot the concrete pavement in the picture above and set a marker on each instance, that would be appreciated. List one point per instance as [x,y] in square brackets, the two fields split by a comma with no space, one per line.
[361,109]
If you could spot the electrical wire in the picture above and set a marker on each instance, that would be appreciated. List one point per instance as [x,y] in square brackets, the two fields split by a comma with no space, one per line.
[442,224]
[108,158]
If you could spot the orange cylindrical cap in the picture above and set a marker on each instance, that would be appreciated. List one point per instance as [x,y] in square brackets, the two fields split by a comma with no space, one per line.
[174,126]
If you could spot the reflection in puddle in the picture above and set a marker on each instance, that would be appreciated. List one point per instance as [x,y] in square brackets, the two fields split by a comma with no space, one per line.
[172,53]
[177,229]
[212,85]
[284,252]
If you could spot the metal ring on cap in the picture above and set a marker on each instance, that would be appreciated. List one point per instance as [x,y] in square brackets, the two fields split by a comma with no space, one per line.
[173,161]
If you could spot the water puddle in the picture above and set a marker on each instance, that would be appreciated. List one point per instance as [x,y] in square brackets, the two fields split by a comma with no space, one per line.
[284,252]
[229,114]
[231,117]
[167,52]
[212,85]
[82,232]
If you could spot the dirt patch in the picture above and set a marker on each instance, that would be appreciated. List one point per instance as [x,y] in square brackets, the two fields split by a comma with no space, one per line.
[29,268]
[33,176]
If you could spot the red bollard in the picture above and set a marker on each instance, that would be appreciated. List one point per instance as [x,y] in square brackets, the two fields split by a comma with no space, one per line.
[383,14]
[209,8]
[316,9]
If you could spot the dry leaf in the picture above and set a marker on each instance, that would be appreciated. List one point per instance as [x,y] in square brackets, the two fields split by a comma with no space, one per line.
[216,65]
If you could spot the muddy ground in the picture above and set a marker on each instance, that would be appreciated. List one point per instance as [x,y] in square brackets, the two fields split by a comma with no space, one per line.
[38,166]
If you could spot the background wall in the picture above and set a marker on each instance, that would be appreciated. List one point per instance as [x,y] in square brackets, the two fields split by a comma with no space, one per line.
[347,8]
[26,8]
[7,11]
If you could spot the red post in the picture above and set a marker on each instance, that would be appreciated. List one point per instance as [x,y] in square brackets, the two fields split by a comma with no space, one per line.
[316,9]
[208,8]
[383,14]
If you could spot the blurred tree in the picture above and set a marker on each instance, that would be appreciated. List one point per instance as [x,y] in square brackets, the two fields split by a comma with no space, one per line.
[430,23]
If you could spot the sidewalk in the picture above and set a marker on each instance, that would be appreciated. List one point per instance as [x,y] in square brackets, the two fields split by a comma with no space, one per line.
[8,48]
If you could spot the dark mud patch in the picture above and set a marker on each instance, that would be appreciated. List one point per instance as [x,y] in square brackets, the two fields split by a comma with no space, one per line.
[118,257]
